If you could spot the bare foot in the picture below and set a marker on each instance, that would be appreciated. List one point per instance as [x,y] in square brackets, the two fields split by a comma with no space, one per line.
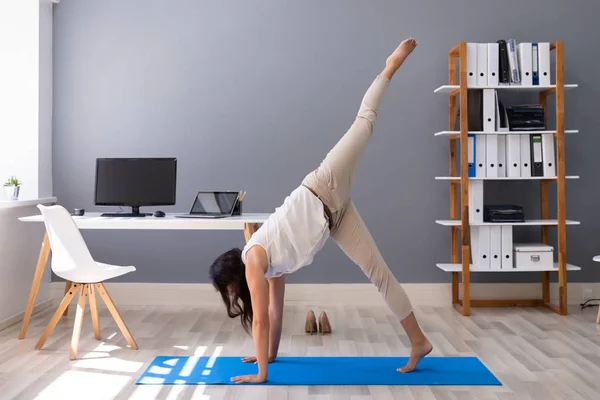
[417,353]
[396,59]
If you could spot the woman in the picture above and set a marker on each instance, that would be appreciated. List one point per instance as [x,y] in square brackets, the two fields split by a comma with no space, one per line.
[289,239]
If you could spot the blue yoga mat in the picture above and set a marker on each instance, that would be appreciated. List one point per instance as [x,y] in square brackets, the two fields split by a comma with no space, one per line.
[192,370]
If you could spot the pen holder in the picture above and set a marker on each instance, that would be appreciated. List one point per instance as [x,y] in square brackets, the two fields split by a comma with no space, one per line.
[237,210]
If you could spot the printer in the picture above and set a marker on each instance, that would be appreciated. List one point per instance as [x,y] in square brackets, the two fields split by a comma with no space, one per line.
[503,213]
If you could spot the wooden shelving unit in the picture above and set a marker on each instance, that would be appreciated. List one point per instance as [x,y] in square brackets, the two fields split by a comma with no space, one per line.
[459,224]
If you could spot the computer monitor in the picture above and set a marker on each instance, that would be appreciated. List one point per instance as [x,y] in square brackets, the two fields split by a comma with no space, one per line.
[135,183]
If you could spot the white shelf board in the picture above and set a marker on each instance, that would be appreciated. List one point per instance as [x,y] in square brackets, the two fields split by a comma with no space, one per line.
[473,268]
[448,133]
[445,89]
[528,222]
[502,178]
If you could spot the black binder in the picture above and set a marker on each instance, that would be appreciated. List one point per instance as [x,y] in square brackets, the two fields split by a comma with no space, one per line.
[475,104]
[503,63]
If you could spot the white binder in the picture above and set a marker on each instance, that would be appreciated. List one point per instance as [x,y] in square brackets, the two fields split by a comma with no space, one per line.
[482,67]
[481,237]
[489,110]
[525,55]
[507,247]
[513,156]
[548,155]
[491,156]
[544,63]
[489,125]
[480,149]
[515,73]
[502,156]
[495,246]
[525,151]
[471,64]
[492,64]
[501,117]
[476,201]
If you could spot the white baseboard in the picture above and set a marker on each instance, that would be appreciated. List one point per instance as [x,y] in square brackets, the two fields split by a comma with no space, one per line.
[420,294]
[19,317]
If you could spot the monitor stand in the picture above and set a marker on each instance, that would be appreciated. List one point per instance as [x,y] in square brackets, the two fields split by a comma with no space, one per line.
[135,213]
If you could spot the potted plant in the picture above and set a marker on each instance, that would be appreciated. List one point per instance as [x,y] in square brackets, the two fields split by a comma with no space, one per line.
[11,188]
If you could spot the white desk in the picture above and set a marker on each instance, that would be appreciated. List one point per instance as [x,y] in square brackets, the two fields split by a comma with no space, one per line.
[246,222]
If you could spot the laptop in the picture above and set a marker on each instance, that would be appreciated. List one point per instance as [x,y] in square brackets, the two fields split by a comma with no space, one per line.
[212,204]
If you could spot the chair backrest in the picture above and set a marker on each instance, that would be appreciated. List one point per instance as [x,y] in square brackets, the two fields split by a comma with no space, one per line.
[70,253]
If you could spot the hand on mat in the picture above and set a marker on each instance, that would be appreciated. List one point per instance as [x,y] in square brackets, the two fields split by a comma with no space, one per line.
[248,378]
[253,359]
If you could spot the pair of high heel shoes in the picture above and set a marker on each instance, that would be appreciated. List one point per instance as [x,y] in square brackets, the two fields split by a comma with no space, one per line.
[311,327]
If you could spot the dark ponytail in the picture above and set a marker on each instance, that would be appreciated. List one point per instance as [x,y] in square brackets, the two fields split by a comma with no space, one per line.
[229,270]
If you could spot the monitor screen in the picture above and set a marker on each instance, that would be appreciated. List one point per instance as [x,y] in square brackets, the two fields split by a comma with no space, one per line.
[214,202]
[135,181]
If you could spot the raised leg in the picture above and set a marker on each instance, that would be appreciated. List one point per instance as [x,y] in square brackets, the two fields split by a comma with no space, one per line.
[78,322]
[35,284]
[54,320]
[397,58]
[332,180]
[355,240]
[249,230]
[94,311]
[113,310]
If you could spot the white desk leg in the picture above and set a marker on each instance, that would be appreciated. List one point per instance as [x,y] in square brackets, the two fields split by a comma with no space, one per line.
[35,285]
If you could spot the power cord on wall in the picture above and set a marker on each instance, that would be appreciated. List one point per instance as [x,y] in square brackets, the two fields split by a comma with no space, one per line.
[586,305]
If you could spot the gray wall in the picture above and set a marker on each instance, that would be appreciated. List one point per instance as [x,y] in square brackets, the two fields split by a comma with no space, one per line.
[251,95]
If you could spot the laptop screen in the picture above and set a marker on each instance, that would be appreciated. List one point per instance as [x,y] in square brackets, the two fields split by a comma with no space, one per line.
[214,203]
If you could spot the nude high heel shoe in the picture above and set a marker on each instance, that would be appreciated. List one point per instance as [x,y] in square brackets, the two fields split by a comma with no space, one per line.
[324,325]
[311,323]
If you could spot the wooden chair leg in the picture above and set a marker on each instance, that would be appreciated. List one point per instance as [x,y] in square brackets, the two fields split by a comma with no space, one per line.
[113,310]
[56,317]
[67,287]
[598,317]
[78,321]
[94,311]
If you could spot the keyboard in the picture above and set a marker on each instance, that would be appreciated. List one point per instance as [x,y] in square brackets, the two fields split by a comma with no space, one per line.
[124,215]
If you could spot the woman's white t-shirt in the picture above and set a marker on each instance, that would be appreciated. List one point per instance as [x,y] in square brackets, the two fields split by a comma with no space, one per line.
[293,234]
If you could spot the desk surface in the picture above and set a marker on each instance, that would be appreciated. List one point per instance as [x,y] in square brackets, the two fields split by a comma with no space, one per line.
[26,203]
[95,221]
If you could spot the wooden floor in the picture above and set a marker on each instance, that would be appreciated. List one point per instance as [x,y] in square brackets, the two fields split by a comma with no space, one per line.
[536,354]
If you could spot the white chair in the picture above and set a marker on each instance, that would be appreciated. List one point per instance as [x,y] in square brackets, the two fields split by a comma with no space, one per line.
[72,261]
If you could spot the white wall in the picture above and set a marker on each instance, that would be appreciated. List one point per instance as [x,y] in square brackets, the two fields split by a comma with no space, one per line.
[26,95]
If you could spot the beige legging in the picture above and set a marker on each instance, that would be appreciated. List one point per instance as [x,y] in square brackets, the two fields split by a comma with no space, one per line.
[332,181]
